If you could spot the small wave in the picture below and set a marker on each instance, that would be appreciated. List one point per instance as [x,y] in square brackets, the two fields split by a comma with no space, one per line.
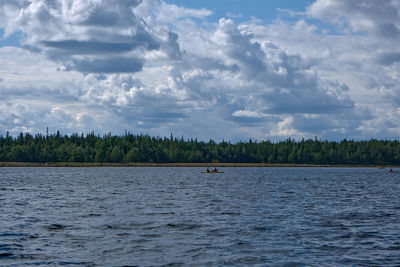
[140,241]
[346,235]
[172,264]
[368,234]
[184,226]
[395,247]
[242,243]
[279,251]
[125,227]
[195,250]
[332,224]
[291,264]
[111,227]
[328,247]
[151,228]
[159,213]
[250,260]
[34,236]
[230,213]
[6,255]
[124,234]
[96,199]
[94,215]
[6,189]
[151,236]
[10,246]
[383,215]
[13,234]
[261,228]
[55,227]
[140,224]
[85,263]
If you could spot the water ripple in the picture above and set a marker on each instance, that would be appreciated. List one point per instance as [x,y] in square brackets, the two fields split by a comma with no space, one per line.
[177,216]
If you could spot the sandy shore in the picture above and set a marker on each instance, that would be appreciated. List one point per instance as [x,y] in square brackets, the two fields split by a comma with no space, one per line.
[79,164]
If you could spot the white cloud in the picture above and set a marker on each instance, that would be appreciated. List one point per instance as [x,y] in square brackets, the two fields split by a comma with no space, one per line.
[169,13]
[90,36]
[158,68]
[377,17]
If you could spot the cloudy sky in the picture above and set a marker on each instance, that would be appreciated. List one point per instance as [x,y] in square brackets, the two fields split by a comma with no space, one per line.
[221,69]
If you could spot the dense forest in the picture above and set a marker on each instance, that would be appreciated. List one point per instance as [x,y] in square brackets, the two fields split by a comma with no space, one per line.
[144,148]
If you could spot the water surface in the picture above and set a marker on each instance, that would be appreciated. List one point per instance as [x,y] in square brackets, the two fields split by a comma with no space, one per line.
[179,216]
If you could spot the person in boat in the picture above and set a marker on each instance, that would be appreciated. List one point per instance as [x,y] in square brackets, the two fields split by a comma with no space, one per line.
[208,169]
[215,170]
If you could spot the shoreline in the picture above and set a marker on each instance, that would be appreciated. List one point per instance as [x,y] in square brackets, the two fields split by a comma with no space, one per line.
[219,165]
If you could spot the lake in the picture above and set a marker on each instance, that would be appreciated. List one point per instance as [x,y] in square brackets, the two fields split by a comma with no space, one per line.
[180,216]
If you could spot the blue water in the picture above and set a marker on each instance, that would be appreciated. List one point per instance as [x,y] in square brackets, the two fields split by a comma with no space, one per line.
[179,216]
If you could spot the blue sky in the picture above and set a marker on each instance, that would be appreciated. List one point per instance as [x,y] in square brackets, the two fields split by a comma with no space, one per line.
[242,10]
[225,69]
[11,40]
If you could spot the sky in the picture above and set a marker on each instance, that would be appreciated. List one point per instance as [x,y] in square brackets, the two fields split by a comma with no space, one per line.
[220,69]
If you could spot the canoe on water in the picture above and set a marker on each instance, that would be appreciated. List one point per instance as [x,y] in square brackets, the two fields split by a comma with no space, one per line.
[212,172]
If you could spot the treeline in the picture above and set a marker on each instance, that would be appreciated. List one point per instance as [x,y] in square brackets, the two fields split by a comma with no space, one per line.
[144,148]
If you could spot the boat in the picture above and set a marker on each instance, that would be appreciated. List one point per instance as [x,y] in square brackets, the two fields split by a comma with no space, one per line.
[212,172]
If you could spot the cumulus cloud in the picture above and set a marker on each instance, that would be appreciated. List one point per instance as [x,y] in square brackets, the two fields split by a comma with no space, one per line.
[89,36]
[284,83]
[377,17]
[170,13]
[389,58]
[148,66]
